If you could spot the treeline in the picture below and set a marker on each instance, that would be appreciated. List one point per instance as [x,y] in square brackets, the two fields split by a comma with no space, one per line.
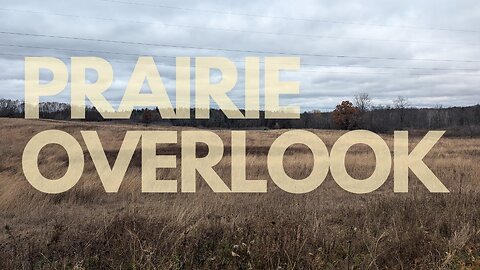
[458,121]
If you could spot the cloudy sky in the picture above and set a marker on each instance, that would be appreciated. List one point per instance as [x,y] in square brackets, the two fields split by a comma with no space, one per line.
[426,51]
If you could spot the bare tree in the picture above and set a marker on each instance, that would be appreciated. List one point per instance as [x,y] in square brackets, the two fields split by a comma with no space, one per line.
[401,102]
[363,102]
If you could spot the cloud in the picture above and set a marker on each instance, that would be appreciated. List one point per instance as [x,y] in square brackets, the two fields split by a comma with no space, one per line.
[384,33]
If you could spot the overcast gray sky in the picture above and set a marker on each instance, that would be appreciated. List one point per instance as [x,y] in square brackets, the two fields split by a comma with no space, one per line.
[384,48]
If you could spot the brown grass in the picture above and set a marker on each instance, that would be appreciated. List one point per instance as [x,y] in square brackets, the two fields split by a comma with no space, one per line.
[327,228]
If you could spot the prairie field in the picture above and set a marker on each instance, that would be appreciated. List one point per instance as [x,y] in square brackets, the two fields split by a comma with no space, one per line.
[328,228]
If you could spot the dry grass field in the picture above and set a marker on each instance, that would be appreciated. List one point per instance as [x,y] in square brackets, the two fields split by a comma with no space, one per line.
[86,228]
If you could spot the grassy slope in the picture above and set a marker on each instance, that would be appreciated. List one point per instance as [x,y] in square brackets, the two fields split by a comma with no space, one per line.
[327,228]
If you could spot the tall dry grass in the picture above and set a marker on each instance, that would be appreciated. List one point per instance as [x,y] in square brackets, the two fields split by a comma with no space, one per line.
[327,228]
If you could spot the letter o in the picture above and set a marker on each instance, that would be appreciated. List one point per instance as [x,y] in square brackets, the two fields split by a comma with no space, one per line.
[75,161]
[320,161]
[383,161]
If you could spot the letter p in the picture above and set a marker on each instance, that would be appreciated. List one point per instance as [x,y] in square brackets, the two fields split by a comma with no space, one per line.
[34,89]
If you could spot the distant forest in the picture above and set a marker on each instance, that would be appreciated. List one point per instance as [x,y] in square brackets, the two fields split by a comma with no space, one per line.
[359,114]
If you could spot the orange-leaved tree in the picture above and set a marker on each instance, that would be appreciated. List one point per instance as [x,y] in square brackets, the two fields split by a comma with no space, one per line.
[345,115]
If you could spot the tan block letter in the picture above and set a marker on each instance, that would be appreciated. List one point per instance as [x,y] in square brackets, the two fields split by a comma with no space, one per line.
[191,164]
[93,91]
[320,163]
[383,161]
[111,177]
[252,87]
[182,87]
[146,70]
[151,161]
[274,88]
[239,167]
[414,161]
[75,161]
[34,89]
[204,89]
